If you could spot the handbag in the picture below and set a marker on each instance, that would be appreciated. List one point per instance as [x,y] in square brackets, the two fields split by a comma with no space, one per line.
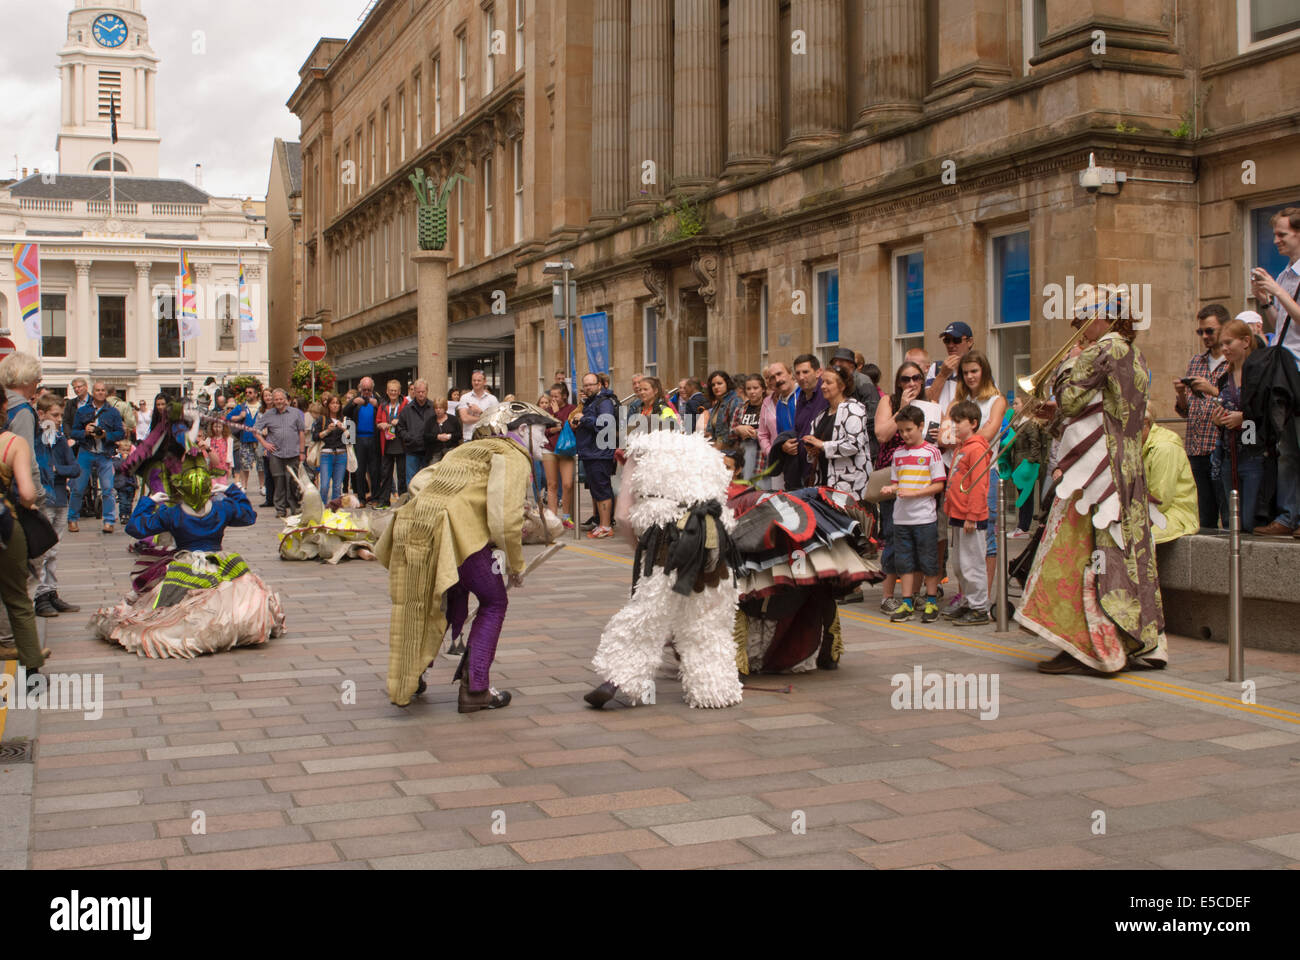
[313,453]
[352,459]
[567,445]
[38,531]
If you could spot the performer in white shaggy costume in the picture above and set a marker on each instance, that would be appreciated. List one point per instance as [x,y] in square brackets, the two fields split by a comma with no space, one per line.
[673,501]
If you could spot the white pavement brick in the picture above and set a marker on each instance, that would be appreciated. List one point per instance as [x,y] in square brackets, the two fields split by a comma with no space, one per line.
[708,831]
[340,764]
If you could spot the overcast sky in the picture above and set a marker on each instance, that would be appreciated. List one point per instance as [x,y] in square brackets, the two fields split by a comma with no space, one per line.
[222,109]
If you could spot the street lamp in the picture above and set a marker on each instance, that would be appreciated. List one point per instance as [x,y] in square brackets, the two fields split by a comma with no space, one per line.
[563,267]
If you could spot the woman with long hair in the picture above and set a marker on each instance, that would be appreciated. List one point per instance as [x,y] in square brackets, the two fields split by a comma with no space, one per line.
[976,384]
[723,402]
[328,431]
[558,468]
[1093,589]
[1236,464]
[18,489]
[839,436]
[744,426]
[909,383]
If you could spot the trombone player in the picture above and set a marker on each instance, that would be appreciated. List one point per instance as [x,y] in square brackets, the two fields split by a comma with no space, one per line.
[1092,591]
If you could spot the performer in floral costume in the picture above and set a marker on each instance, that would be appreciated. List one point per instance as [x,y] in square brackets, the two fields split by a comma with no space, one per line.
[1092,590]
[197,599]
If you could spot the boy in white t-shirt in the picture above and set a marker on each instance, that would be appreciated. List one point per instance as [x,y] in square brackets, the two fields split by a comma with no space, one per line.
[918,474]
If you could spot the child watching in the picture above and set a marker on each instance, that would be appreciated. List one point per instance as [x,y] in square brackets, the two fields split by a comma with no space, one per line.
[124,484]
[918,475]
[966,503]
[58,465]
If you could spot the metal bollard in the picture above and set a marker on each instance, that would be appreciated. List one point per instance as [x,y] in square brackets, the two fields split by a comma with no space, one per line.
[577,504]
[1003,619]
[1236,654]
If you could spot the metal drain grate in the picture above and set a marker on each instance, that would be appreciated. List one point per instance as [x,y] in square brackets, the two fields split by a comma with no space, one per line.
[16,751]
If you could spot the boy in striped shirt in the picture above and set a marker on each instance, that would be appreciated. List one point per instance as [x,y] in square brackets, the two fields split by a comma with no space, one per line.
[918,475]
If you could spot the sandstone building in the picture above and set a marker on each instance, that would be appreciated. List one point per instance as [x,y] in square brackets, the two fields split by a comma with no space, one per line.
[739,180]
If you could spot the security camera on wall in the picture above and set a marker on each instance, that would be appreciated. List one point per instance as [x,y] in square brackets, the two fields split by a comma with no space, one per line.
[1090,179]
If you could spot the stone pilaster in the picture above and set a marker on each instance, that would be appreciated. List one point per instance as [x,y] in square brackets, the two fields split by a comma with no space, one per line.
[697,141]
[145,322]
[753,93]
[894,38]
[85,336]
[610,109]
[817,78]
[650,101]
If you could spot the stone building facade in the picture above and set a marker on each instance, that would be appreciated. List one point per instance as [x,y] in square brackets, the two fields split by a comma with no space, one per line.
[748,180]
[284,233]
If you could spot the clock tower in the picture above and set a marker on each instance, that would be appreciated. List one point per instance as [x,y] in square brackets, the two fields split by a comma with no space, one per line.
[107,58]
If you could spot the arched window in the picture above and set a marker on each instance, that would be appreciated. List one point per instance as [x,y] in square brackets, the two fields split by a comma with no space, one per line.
[227,317]
[117,164]
[169,335]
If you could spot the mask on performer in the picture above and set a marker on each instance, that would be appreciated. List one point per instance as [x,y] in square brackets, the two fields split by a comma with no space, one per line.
[525,422]
[49,432]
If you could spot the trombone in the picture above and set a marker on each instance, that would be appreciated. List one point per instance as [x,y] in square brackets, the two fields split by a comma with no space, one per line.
[1034,387]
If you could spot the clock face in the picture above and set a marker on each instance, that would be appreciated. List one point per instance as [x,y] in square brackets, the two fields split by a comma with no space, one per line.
[110,30]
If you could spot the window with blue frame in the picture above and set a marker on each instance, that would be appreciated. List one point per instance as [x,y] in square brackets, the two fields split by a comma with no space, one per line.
[909,303]
[1010,305]
[1265,253]
[828,307]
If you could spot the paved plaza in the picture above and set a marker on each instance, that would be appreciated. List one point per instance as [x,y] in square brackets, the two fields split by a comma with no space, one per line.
[253,758]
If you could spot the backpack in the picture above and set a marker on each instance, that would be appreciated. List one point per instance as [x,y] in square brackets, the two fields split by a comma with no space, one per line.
[127,412]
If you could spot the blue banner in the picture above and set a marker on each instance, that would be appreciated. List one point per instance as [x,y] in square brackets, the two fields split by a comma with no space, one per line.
[595,334]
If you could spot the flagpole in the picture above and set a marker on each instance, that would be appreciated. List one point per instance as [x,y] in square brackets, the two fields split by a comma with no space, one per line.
[178,313]
[112,158]
[239,313]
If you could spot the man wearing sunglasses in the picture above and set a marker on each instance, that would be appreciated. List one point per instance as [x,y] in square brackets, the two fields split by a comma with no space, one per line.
[1202,370]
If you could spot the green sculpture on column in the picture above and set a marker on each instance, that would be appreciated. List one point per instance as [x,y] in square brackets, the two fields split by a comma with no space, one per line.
[431,214]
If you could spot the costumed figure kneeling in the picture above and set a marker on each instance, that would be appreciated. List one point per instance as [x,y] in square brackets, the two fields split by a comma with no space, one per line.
[673,501]
[339,530]
[439,551]
[196,599]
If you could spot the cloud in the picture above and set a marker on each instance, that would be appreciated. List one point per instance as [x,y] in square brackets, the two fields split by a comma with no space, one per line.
[222,107]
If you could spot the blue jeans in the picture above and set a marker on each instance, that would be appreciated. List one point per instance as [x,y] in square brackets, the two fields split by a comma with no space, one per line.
[102,466]
[887,537]
[991,541]
[1250,471]
[415,462]
[333,464]
[1288,476]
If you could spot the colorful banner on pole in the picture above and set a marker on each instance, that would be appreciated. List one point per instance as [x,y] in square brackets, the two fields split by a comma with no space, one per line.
[27,273]
[188,317]
[595,336]
[247,325]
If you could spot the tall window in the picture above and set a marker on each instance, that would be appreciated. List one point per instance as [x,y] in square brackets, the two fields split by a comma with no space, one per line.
[1265,21]
[358,181]
[462,74]
[437,96]
[460,223]
[227,317]
[110,89]
[543,375]
[762,322]
[388,142]
[360,276]
[401,127]
[401,251]
[388,260]
[519,190]
[169,335]
[826,312]
[374,151]
[487,206]
[372,267]
[338,192]
[489,61]
[1009,305]
[1261,252]
[112,326]
[650,340]
[519,34]
[54,325]
[909,302]
[418,86]
[1033,27]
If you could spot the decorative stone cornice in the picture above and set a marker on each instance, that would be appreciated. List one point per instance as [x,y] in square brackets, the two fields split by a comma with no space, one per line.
[83,268]
[142,268]
[655,278]
[705,265]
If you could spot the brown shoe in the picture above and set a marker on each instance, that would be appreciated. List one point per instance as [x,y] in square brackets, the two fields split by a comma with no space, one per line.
[1061,663]
[73,527]
[108,528]
[1274,529]
[471,701]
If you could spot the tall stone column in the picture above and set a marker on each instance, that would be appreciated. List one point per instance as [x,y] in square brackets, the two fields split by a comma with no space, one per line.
[431,318]
[697,141]
[84,334]
[753,91]
[145,322]
[894,55]
[817,78]
[609,109]
[650,104]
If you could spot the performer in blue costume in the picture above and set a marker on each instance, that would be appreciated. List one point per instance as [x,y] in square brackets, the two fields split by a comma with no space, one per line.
[197,599]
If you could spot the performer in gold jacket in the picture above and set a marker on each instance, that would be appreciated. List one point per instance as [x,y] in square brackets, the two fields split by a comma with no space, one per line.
[439,550]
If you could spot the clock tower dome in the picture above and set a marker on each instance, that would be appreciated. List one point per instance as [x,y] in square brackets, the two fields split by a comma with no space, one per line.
[107,58]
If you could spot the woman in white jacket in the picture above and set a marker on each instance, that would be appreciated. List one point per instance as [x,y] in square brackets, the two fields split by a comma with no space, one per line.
[839,437]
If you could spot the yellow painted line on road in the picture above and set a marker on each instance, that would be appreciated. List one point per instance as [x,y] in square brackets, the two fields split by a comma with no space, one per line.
[10,670]
[992,646]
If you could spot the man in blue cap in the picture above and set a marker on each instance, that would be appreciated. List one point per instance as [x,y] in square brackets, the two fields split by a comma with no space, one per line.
[941,380]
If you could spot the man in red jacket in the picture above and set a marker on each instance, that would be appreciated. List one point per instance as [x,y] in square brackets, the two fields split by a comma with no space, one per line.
[392,454]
